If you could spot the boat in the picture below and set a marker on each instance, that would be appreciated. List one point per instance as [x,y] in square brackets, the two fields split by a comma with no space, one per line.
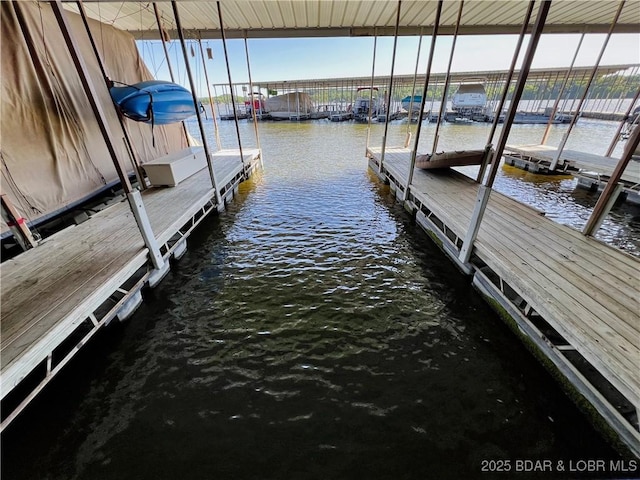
[471,96]
[412,103]
[468,103]
[290,106]
[256,104]
[154,101]
[362,109]
[448,159]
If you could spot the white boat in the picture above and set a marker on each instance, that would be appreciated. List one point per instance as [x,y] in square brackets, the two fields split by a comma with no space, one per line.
[471,96]
[366,105]
[469,101]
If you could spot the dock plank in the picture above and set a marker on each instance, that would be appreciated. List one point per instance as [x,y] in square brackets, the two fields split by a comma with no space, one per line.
[47,291]
[584,161]
[587,290]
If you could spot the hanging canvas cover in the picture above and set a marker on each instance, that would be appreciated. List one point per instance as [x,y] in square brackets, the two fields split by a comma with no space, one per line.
[53,153]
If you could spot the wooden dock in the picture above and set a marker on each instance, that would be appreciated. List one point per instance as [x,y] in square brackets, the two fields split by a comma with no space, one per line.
[546,276]
[538,159]
[84,276]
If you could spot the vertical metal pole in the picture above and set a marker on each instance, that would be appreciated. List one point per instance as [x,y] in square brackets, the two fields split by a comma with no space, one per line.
[166,56]
[432,48]
[634,72]
[413,91]
[162,39]
[543,94]
[443,103]
[205,144]
[505,92]
[233,100]
[556,158]
[545,136]
[213,111]
[485,190]
[134,161]
[255,118]
[606,199]
[616,85]
[373,69]
[553,86]
[393,63]
[616,137]
[135,201]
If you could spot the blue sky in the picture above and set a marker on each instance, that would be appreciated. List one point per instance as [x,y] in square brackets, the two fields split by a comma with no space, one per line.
[308,58]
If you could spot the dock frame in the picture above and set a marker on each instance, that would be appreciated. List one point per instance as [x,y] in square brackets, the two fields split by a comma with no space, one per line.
[55,297]
[540,276]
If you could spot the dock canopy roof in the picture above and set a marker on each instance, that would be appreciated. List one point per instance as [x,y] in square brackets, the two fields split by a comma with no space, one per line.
[335,18]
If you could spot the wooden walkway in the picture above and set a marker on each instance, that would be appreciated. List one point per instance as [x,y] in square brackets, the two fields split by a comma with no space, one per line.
[587,291]
[48,291]
[575,160]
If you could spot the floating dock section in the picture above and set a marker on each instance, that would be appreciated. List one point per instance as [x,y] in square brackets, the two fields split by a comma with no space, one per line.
[593,171]
[572,298]
[56,296]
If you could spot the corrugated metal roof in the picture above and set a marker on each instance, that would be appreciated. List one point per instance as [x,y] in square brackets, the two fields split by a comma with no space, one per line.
[299,18]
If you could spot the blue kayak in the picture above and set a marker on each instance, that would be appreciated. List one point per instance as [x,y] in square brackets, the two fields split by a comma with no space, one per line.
[154,101]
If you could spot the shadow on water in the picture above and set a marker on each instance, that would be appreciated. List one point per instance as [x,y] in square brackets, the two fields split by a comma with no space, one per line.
[310,331]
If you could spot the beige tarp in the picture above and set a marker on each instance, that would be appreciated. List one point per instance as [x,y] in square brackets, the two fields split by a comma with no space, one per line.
[293,103]
[53,153]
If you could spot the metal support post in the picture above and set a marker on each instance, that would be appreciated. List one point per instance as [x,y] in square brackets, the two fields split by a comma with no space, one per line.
[163,41]
[373,69]
[388,106]
[233,100]
[616,137]
[505,91]
[432,48]
[205,144]
[478,210]
[89,89]
[253,110]
[481,203]
[443,102]
[604,201]
[127,141]
[413,91]
[140,214]
[211,104]
[558,154]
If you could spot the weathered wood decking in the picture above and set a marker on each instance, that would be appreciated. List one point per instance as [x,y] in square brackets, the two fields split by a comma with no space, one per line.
[48,291]
[575,160]
[587,291]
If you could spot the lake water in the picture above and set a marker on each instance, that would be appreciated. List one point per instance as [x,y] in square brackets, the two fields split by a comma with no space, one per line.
[313,331]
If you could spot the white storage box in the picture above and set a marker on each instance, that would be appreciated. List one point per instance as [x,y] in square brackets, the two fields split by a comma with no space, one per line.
[172,169]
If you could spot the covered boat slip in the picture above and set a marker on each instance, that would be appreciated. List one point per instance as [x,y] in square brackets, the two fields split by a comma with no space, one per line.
[585,290]
[87,273]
